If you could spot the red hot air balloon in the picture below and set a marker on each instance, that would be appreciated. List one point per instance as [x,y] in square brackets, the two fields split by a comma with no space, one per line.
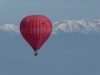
[36,29]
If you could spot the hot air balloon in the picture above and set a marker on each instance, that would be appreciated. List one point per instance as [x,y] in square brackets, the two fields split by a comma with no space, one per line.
[36,29]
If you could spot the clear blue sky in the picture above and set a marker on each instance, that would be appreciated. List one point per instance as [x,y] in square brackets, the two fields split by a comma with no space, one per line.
[63,54]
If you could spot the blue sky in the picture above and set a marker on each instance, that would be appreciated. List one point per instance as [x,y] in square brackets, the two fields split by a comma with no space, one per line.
[64,53]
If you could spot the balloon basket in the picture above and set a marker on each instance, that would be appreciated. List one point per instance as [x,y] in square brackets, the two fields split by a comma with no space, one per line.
[36,53]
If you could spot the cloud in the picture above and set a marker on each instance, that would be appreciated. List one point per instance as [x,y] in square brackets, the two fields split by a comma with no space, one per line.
[78,26]
[65,26]
[10,28]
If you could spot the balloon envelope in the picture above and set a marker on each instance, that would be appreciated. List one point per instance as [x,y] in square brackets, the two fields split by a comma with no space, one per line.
[36,29]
